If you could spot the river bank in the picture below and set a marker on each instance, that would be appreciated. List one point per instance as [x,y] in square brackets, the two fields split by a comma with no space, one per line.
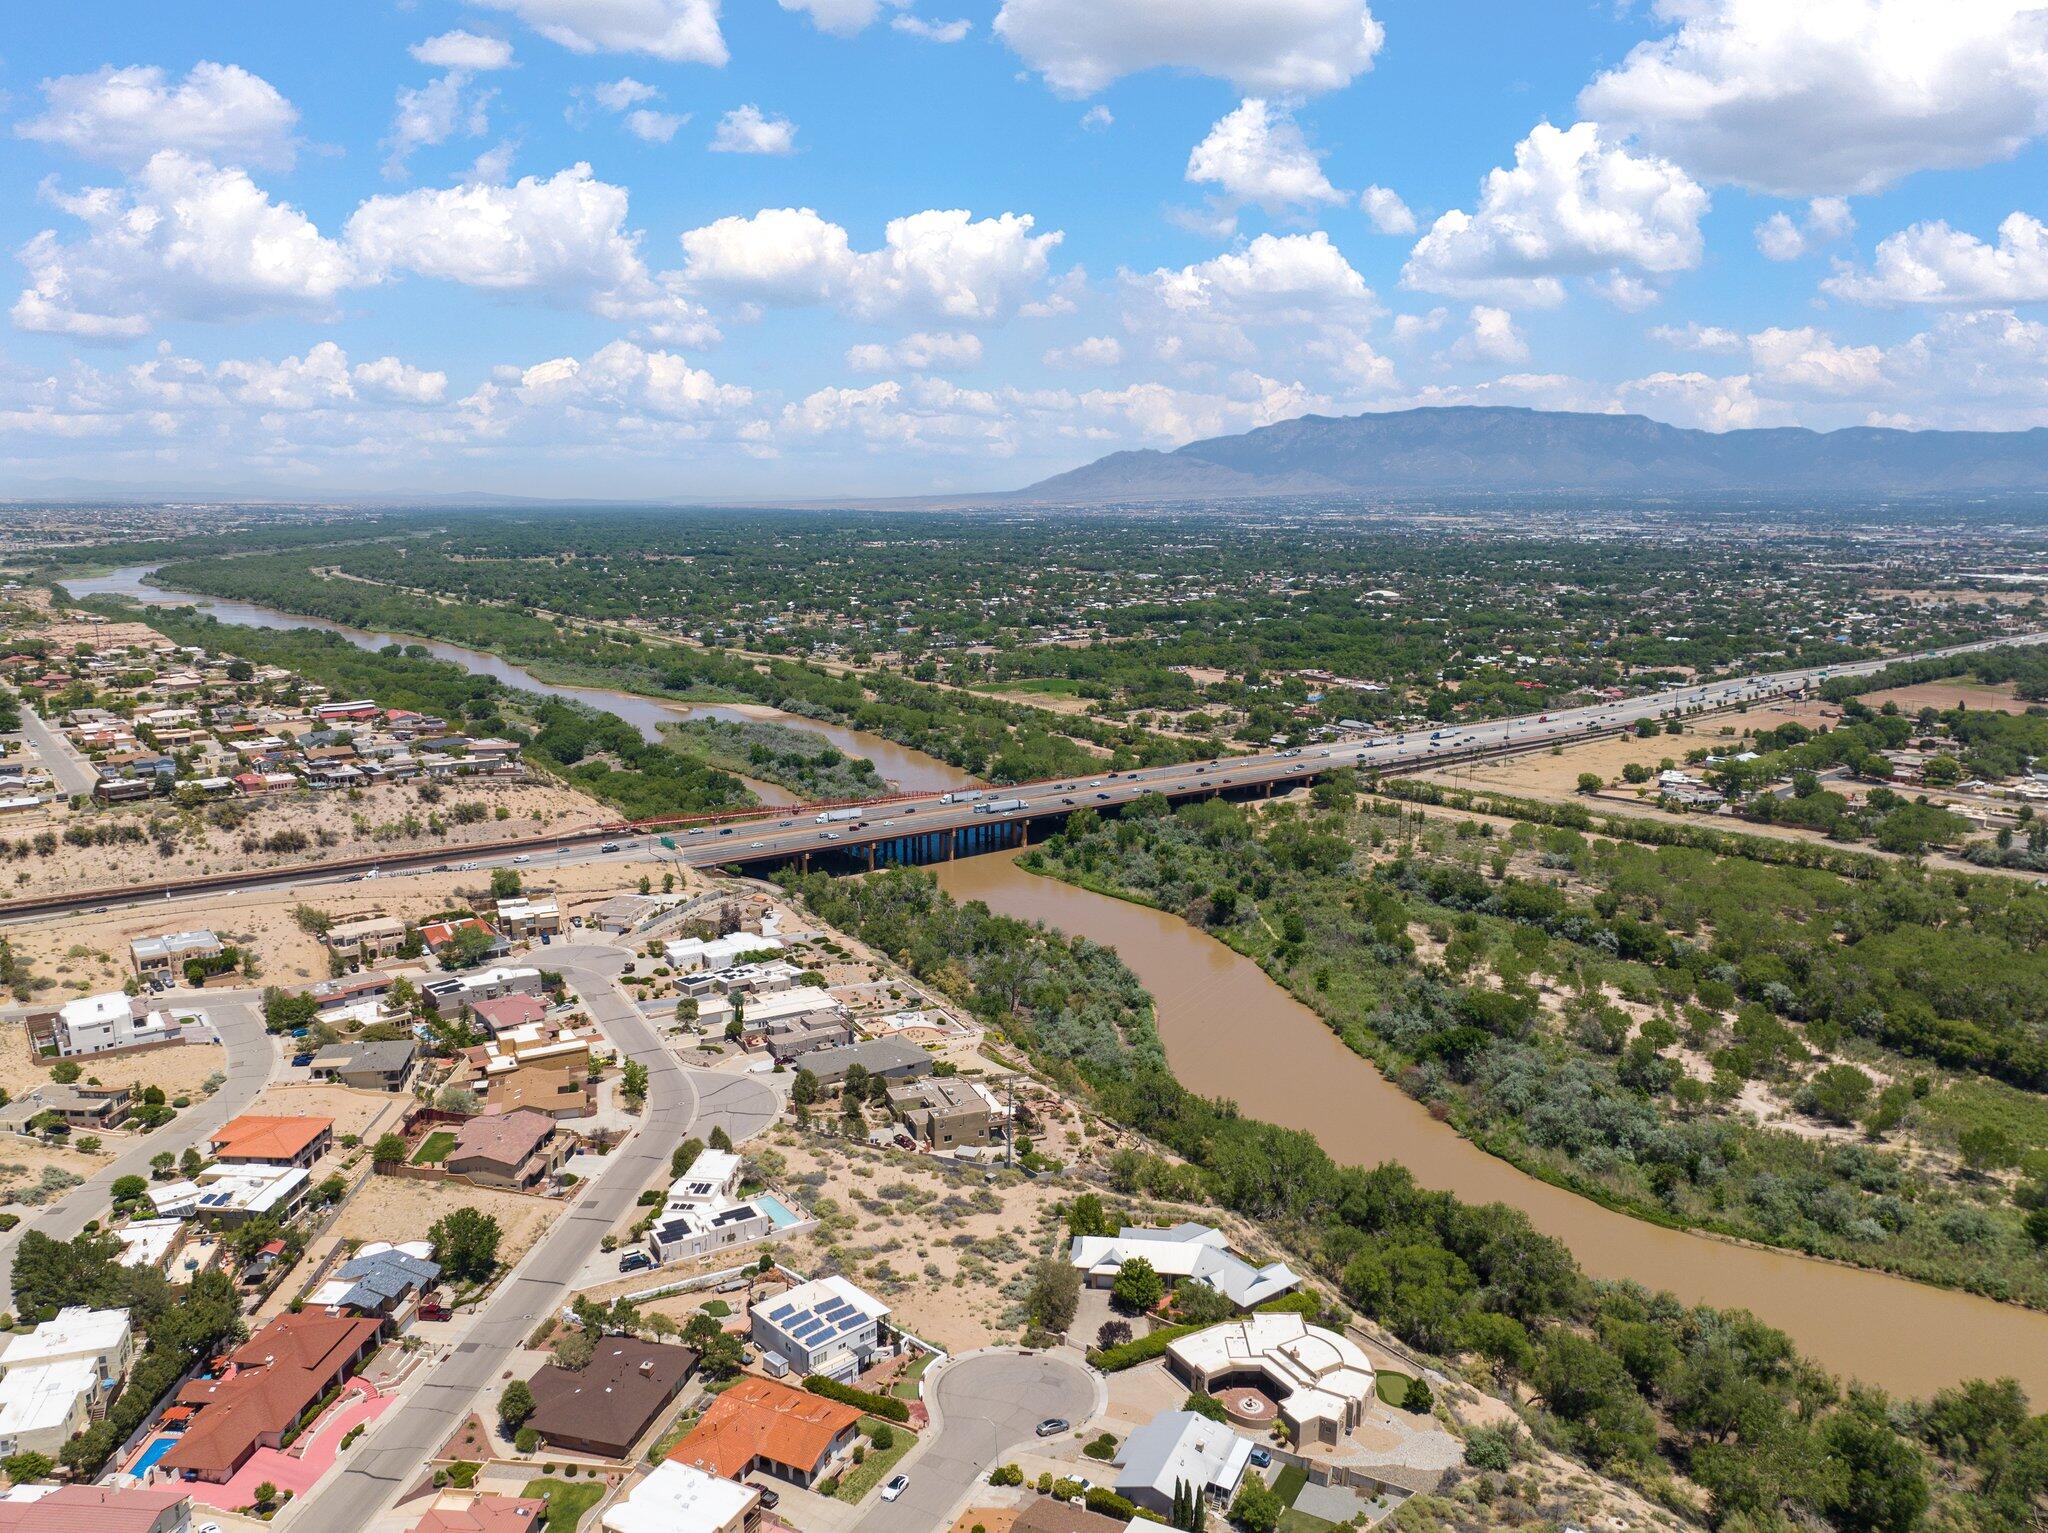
[1230,1031]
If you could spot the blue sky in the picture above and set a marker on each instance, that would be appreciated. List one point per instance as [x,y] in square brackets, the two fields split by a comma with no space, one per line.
[817,247]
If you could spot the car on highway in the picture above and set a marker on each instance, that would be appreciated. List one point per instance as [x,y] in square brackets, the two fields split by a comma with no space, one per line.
[1102,795]
[1052,1426]
[697,832]
[609,846]
[522,857]
[897,1485]
[828,835]
[727,831]
[755,846]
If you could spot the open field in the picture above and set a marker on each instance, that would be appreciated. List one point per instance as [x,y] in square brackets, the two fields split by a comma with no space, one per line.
[181,1070]
[353,1111]
[1943,695]
[385,1204]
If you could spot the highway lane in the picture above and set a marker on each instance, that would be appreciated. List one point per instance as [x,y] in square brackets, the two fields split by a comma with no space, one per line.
[393,1453]
[251,1062]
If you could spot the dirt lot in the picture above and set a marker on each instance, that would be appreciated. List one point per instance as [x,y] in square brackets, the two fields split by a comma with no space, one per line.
[85,953]
[353,1111]
[1940,695]
[181,1070]
[1548,775]
[23,1162]
[367,822]
[392,1208]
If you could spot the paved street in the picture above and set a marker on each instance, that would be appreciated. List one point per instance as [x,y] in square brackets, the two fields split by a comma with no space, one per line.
[70,770]
[250,1063]
[679,1102]
[984,1404]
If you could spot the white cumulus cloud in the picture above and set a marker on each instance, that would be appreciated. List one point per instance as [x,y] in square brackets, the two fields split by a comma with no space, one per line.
[1091,351]
[1492,337]
[1572,205]
[748,130]
[1815,97]
[124,116]
[1260,46]
[1258,154]
[1389,214]
[920,351]
[841,18]
[932,31]
[466,51]
[1933,263]
[678,31]
[944,263]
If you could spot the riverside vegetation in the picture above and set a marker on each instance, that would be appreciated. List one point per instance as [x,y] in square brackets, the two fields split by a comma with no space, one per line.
[1847,1066]
[1710,1411]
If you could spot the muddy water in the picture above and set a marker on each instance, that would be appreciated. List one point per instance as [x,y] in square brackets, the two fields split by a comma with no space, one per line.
[1231,1032]
[905,768]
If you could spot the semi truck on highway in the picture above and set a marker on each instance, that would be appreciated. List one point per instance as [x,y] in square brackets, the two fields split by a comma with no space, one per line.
[966,796]
[833,816]
[999,806]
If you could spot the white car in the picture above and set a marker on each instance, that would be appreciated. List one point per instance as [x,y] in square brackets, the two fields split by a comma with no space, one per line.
[897,1485]
[523,857]
[756,846]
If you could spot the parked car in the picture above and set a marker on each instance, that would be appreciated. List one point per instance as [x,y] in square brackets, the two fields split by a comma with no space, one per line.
[301,1060]
[1261,1456]
[635,1261]
[897,1485]
[1052,1426]
[769,1500]
[436,1311]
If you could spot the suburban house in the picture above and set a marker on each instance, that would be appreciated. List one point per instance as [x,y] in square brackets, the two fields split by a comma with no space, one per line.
[944,1113]
[1049,1514]
[689,954]
[507,1012]
[1181,1253]
[677,1498]
[826,1326]
[438,934]
[167,954]
[759,1426]
[704,1211]
[461,1511]
[376,937]
[888,1057]
[102,1337]
[232,1195]
[1178,1448]
[512,1150]
[379,1279]
[78,1106]
[265,1387]
[449,993]
[1321,1380]
[604,1407]
[93,1509]
[51,1377]
[253,1139]
[384,1065]
[560,1091]
[148,1242]
[529,918]
[96,1024]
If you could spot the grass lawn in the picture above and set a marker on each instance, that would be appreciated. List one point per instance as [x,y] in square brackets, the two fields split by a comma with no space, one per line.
[434,1148]
[1288,1482]
[1392,1387]
[1292,1521]
[567,1501]
[907,1387]
[879,1465]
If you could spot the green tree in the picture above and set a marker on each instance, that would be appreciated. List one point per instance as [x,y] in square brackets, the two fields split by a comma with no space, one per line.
[1257,1508]
[515,1405]
[1137,1288]
[1085,1216]
[1836,1094]
[1872,1480]
[388,1151]
[803,1091]
[1590,782]
[27,1468]
[505,884]
[466,1244]
[266,1495]
[1053,1294]
[65,1072]
[633,1083]
[1987,1147]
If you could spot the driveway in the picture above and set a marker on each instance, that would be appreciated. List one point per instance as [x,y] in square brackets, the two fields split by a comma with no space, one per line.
[251,1063]
[983,1404]
[391,1456]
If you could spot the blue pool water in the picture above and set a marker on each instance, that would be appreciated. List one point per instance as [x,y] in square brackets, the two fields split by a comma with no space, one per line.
[151,1454]
[777,1211]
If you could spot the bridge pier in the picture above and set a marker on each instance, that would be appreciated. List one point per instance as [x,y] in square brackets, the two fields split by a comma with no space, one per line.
[949,844]
[871,856]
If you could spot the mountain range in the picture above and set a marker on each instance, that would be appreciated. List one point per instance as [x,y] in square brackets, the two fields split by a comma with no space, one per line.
[1500,450]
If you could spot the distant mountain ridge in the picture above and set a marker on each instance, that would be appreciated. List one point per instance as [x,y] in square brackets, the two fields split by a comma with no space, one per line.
[1499,449]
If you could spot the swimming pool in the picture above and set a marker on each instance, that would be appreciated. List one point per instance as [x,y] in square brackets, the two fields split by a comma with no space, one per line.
[777,1211]
[156,1450]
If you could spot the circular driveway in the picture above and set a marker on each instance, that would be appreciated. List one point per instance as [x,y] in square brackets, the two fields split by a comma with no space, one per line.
[983,1404]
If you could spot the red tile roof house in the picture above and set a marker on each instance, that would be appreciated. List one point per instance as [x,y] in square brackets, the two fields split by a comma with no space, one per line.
[514,1150]
[481,1514]
[98,1509]
[266,1386]
[508,1011]
[255,1140]
[438,934]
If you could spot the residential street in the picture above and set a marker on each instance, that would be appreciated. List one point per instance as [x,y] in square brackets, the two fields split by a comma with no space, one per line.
[250,1063]
[390,1458]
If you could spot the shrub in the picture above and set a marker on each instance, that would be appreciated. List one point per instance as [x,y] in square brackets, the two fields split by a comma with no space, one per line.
[888,1407]
[1141,1350]
[1006,1474]
[1103,1448]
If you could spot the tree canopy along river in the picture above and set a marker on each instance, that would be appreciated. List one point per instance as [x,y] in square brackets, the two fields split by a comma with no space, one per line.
[1229,1031]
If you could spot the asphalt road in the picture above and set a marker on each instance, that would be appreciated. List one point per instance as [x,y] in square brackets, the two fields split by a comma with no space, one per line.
[984,1404]
[58,755]
[250,1065]
[678,1103]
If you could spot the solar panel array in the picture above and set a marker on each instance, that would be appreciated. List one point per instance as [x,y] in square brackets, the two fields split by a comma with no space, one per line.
[815,1328]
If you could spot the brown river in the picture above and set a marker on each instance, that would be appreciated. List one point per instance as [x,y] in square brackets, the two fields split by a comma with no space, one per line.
[1229,1031]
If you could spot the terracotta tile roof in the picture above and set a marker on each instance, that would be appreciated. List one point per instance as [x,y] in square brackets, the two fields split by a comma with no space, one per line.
[267,1382]
[251,1137]
[88,1509]
[435,933]
[486,1514]
[758,1418]
[508,1011]
[502,1138]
